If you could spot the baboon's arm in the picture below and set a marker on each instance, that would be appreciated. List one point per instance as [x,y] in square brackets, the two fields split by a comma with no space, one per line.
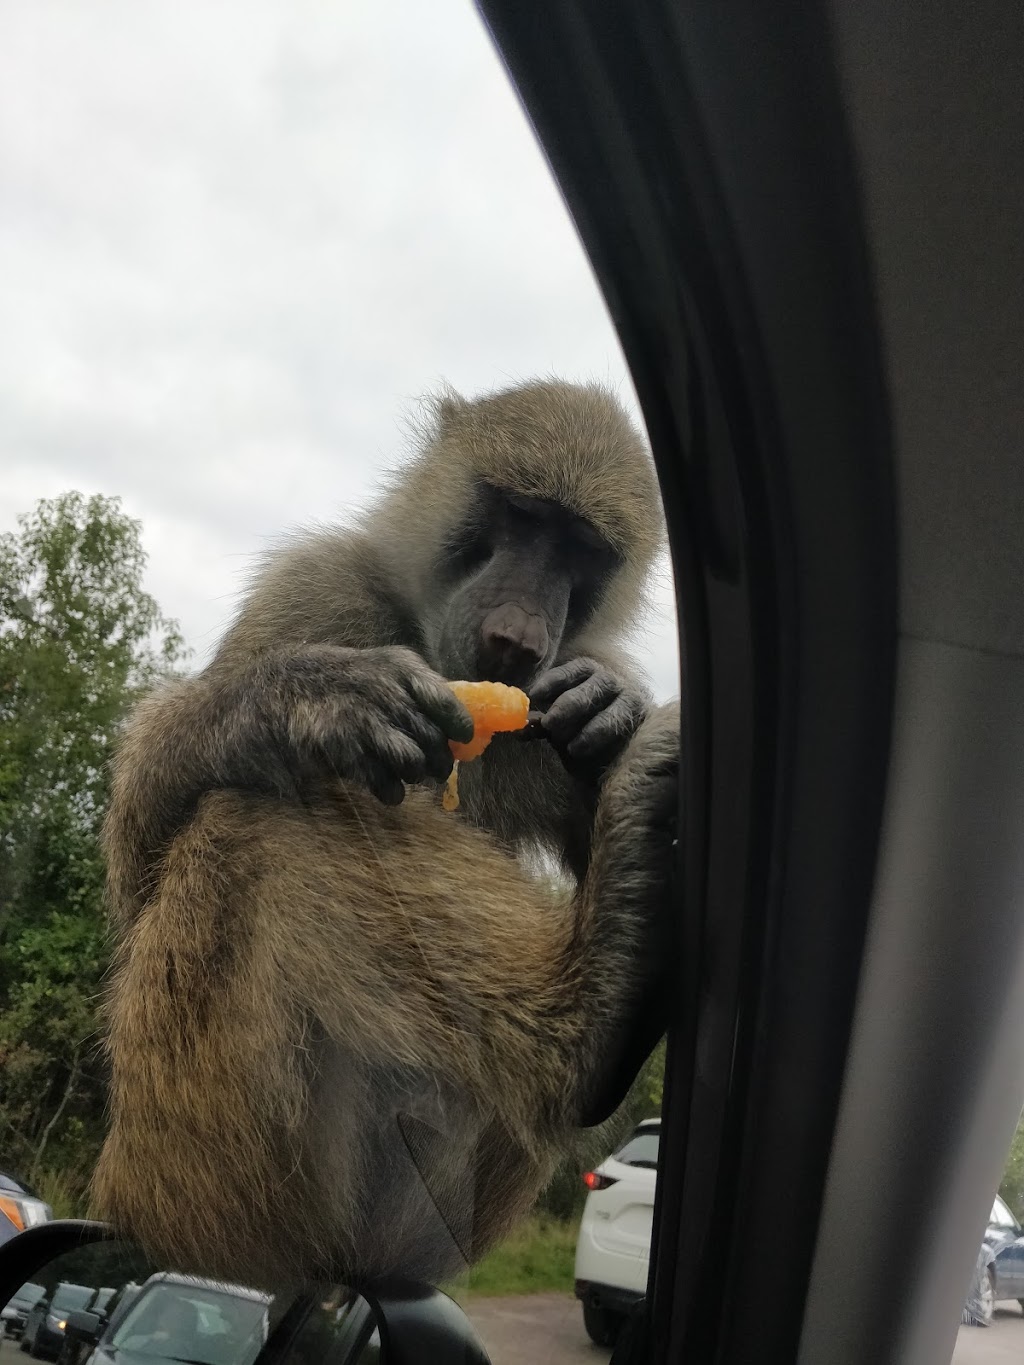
[291,720]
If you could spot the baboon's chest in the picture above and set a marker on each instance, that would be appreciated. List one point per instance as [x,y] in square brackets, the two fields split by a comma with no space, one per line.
[516,790]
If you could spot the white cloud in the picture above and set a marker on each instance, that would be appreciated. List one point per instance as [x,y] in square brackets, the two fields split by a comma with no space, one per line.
[238,237]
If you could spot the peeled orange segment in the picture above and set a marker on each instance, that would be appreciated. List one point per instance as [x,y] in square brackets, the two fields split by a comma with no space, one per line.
[494,707]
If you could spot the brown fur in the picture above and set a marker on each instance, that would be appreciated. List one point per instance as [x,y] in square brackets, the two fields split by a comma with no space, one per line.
[350,1036]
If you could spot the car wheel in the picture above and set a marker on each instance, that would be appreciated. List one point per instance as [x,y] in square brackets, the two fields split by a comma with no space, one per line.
[602,1324]
[987,1296]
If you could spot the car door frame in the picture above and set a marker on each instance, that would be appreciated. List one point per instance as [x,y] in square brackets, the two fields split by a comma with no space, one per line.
[800,219]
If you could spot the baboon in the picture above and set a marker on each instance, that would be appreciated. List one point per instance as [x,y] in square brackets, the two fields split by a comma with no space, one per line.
[348,1030]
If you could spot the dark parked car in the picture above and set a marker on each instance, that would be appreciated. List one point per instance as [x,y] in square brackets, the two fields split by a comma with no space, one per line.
[20,1207]
[44,1327]
[104,1311]
[73,1349]
[1000,1270]
[100,1301]
[14,1313]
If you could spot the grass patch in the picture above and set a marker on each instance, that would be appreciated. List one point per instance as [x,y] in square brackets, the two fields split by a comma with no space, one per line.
[62,1193]
[538,1256]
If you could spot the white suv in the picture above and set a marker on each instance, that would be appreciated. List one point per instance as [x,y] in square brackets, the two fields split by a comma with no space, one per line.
[614,1245]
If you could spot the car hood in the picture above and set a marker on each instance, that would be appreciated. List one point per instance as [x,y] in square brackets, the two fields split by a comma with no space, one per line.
[106,1355]
[997,1238]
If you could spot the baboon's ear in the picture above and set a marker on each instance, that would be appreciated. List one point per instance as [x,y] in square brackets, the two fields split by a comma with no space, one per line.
[449,405]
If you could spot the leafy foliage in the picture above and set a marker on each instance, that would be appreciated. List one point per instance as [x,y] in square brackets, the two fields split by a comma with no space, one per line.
[566,1194]
[538,1256]
[79,641]
[1012,1187]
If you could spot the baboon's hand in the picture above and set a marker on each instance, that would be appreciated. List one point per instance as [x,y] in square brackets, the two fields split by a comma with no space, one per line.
[651,768]
[588,713]
[377,716]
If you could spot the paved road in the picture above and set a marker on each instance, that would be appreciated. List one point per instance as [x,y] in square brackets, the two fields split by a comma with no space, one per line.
[1002,1342]
[526,1329]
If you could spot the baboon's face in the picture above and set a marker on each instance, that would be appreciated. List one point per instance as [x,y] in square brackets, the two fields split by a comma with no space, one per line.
[518,577]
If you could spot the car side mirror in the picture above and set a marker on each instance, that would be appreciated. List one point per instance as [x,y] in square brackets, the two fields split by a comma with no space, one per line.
[394,1322]
[83,1326]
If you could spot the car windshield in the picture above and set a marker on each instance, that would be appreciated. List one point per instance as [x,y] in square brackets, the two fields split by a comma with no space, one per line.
[238,248]
[1001,1215]
[182,1322]
[640,1150]
[68,1296]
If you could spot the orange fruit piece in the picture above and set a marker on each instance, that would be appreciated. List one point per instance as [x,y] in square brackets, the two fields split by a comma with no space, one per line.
[494,707]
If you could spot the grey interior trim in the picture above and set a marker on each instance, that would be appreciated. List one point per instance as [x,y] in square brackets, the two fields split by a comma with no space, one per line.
[936,1072]
[916,1161]
[935,99]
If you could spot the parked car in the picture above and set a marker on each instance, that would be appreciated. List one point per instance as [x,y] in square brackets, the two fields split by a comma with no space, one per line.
[614,1244]
[175,1317]
[999,1273]
[74,1350]
[47,1319]
[100,1301]
[103,1318]
[20,1207]
[14,1313]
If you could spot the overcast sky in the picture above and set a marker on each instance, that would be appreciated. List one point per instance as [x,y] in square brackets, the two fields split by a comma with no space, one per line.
[238,238]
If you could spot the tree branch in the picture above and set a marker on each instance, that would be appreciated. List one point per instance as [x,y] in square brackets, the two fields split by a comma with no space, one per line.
[56,1116]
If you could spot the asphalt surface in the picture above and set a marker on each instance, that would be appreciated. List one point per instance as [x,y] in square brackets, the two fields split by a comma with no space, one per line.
[528,1329]
[1003,1341]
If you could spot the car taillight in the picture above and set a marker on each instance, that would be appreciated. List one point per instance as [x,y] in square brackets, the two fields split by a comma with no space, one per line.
[593,1181]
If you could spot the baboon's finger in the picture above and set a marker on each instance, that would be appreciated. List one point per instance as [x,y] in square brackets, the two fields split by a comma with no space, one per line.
[397,752]
[437,701]
[571,711]
[432,742]
[384,785]
[560,679]
[609,730]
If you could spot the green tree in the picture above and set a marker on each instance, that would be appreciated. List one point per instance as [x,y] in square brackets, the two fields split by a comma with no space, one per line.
[79,642]
[1012,1186]
[566,1194]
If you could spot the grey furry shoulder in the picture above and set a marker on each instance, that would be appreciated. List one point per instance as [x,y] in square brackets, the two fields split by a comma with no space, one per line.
[326,585]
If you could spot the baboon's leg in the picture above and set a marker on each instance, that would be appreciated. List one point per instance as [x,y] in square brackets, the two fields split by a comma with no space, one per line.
[301,976]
